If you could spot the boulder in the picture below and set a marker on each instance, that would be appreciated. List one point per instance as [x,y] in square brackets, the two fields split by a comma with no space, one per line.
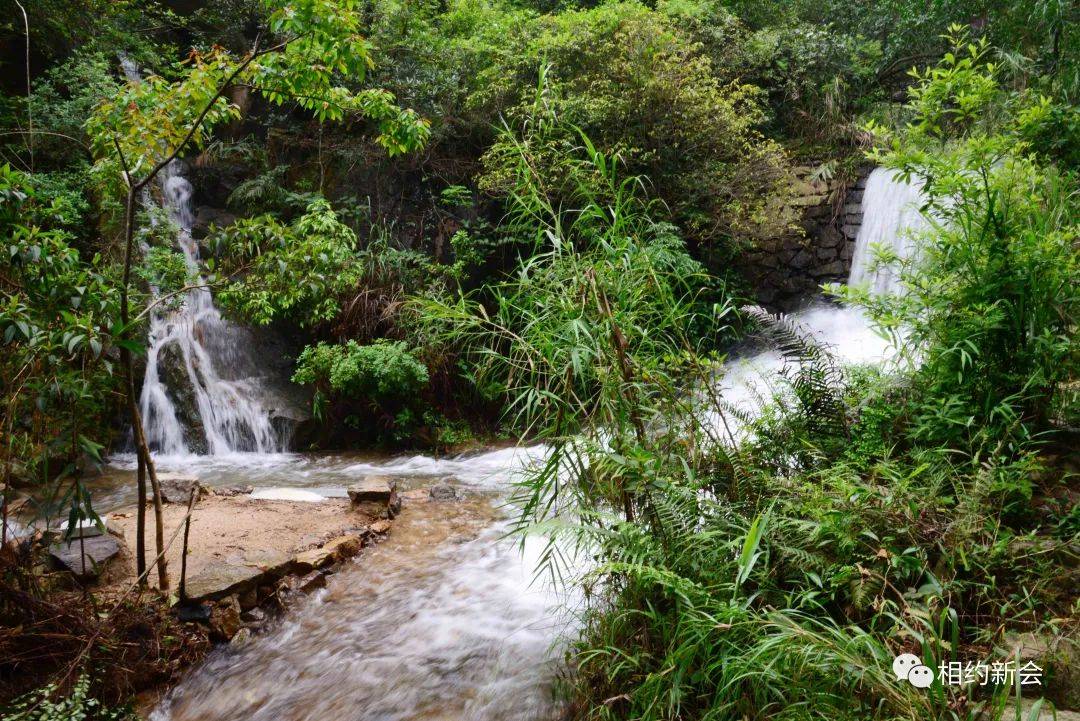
[221,580]
[177,488]
[205,216]
[313,581]
[332,551]
[225,619]
[316,558]
[373,489]
[376,495]
[380,527]
[86,557]
[229,491]
[254,616]
[443,492]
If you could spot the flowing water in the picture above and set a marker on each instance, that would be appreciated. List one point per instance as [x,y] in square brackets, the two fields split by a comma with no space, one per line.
[211,361]
[891,222]
[442,620]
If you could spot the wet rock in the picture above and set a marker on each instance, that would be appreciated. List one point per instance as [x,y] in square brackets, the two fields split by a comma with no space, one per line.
[242,636]
[225,619]
[380,527]
[172,371]
[193,613]
[836,268]
[373,489]
[229,491]
[802,259]
[177,488]
[206,216]
[332,551]
[443,492]
[315,558]
[313,581]
[87,557]
[248,599]
[376,495]
[222,580]
[254,616]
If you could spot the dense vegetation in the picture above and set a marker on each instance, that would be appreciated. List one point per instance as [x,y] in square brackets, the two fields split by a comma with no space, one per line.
[526,218]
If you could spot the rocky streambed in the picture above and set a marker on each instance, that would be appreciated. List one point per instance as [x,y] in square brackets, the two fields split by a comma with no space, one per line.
[440,619]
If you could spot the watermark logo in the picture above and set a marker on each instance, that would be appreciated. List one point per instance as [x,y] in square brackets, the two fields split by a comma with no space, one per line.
[909,667]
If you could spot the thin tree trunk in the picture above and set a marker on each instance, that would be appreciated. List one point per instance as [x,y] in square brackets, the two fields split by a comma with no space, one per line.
[140,516]
[139,437]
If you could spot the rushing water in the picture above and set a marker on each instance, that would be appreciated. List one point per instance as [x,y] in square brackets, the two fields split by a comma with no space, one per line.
[211,359]
[213,368]
[441,621]
[891,221]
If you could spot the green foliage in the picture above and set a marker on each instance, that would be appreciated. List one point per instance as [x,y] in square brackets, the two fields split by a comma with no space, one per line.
[602,270]
[42,705]
[58,316]
[986,316]
[385,377]
[379,371]
[318,45]
[639,89]
[298,270]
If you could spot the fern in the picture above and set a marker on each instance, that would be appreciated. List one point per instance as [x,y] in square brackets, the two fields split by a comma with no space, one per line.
[817,379]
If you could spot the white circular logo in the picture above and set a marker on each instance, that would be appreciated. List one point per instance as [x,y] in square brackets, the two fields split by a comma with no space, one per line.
[903,664]
[921,677]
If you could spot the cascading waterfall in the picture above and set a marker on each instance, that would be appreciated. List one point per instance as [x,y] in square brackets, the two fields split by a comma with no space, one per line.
[440,620]
[211,353]
[890,220]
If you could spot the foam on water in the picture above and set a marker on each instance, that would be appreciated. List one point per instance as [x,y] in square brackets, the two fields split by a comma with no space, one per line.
[891,221]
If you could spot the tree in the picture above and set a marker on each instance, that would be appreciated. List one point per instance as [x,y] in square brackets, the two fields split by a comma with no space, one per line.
[306,50]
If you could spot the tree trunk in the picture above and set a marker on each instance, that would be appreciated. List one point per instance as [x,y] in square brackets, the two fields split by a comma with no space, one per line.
[139,437]
[140,515]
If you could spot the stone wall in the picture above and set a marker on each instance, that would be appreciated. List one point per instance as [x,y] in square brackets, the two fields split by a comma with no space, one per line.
[787,272]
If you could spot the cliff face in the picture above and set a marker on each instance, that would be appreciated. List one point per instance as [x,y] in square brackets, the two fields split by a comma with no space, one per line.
[787,272]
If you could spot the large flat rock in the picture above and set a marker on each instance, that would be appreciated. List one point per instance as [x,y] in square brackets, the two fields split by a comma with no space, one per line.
[372,489]
[254,567]
[237,544]
[85,557]
[222,580]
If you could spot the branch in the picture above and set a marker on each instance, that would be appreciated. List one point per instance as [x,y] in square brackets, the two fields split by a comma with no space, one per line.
[162,299]
[251,57]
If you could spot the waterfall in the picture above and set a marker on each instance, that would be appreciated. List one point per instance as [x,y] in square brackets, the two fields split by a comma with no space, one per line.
[891,219]
[210,355]
[197,359]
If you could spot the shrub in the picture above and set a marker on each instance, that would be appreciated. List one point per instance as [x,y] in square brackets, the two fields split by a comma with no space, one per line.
[385,376]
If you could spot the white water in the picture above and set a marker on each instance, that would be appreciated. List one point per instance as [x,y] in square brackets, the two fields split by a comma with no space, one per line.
[212,356]
[891,222]
[442,621]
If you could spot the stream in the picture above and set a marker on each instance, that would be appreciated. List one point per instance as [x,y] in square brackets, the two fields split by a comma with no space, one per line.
[443,619]
[440,621]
